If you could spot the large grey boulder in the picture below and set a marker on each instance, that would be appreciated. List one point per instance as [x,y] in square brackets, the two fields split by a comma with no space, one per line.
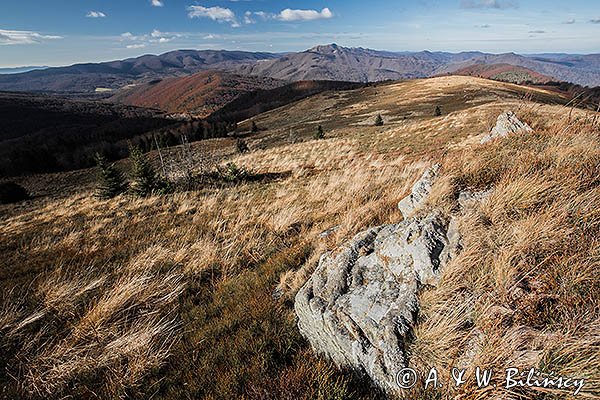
[361,301]
[506,124]
[419,193]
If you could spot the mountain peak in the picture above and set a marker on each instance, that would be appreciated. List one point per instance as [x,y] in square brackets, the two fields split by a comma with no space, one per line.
[326,48]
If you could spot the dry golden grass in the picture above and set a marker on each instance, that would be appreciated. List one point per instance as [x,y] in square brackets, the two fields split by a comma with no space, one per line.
[525,291]
[172,297]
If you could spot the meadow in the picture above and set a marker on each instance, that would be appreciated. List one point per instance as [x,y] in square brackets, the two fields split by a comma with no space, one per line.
[190,294]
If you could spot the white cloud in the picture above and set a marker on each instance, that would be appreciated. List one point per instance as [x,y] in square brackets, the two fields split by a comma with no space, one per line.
[157,3]
[262,14]
[23,37]
[595,21]
[95,14]
[569,21]
[216,13]
[248,18]
[304,15]
[211,36]
[128,36]
[498,4]
[141,41]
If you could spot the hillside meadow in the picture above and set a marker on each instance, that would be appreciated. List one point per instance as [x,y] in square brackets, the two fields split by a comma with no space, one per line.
[190,295]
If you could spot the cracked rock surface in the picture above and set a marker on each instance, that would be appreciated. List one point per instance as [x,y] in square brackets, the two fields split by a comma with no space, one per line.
[506,124]
[419,193]
[361,301]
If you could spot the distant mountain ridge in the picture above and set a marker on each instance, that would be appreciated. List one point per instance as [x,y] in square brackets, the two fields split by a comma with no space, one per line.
[366,65]
[333,62]
[582,70]
[19,70]
[116,74]
[326,62]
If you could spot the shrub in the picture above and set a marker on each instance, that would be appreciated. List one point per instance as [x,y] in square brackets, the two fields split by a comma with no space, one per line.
[320,134]
[242,146]
[254,127]
[232,173]
[11,192]
[111,182]
[438,111]
[379,120]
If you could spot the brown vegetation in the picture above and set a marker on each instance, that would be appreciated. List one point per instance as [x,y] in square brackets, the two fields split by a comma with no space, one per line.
[188,295]
[200,94]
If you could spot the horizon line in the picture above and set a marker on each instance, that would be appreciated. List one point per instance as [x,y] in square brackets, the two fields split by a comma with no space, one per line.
[49,65]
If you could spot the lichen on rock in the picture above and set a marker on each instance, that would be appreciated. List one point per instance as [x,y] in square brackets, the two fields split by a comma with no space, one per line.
[361,302]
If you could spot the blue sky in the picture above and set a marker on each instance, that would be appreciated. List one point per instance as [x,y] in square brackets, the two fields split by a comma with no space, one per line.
[61,32]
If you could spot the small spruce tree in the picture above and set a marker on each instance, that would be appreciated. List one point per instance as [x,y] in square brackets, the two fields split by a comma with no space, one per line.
[111,182]
[254,127]
[144,181]
[320,134]
[438,111]
[379,120]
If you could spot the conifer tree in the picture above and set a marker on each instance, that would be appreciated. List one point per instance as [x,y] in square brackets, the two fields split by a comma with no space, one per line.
[320,134]
[144,181]
[254,127]
[379,120]
[111,182]
[438,111]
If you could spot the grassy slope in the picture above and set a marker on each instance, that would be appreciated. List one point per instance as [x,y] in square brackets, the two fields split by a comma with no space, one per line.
[172,296]
[504,73]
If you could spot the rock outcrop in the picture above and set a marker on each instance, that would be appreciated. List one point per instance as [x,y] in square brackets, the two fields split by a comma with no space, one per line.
[506,124]
[419,193]
[361,301]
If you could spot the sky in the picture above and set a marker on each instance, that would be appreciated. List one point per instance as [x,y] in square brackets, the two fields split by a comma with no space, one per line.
[64,32]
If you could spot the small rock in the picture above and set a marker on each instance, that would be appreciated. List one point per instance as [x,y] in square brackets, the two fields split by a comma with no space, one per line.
[506,124]
[329,232]
[420,192]
[468,199]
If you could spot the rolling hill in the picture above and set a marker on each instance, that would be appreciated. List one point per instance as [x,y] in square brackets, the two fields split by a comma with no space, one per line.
[259,101]
[504,72]
[42,133]
[582,70]
[199,94]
